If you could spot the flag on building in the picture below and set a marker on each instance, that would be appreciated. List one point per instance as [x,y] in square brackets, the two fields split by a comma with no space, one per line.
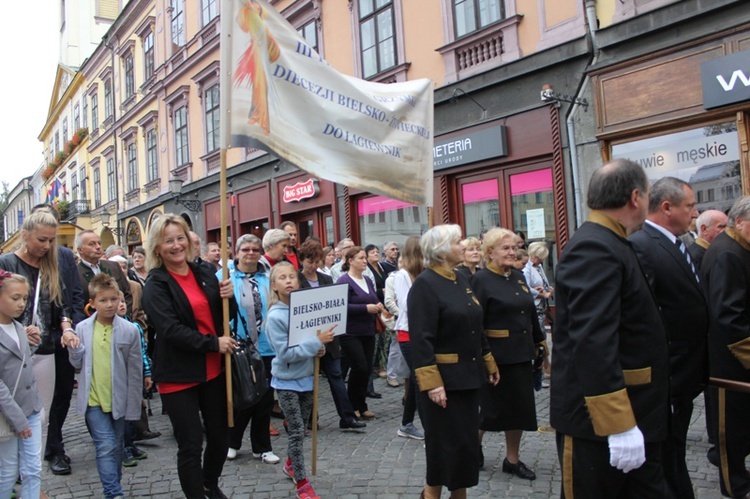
[55,192]
[284,98]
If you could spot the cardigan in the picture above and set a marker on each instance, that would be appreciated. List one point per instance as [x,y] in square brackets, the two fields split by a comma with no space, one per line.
[290,363]
[27,400]
[359,321]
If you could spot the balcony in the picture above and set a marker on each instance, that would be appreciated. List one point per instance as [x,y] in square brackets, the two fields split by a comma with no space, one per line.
[77,208]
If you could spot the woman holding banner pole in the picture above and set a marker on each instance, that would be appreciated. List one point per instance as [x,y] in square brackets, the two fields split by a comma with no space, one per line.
[183,301]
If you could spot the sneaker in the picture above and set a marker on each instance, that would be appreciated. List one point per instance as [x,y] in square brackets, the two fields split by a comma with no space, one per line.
[231,453]
[393,382]
[289,471]
[137,453]
[307,492]
[127,459]
[410,431]
[267,457]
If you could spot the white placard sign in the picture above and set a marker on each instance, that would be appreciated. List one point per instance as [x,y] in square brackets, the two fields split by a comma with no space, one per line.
[317,309]
[535,224]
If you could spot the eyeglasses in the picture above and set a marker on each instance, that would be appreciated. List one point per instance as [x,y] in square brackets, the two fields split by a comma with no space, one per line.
[249,250]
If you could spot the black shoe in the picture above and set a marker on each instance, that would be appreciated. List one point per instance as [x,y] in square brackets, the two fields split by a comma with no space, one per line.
[214,493]
[137,453]
[713,456]
[58,465]
[519,469]
[374,395]
[146,435]
[352,425]
[481,458]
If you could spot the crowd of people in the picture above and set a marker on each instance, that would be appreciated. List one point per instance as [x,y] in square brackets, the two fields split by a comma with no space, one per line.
[641,319]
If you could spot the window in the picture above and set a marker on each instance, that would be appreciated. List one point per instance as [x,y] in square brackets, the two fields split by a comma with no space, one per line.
[182,151]
[97,189]
[382,219]
[679,155]
[85,105]
[74,183]
[65,130]
[152,165]
[178,24]
[76,118]
[471,15]
[377,34]
[310,33]
[209,11]
[82,179]
[107,99]
[148,56]
[132,167]
[57,142]
[129,76]
[480,205]
[95,111]
[212,118]
[111,180]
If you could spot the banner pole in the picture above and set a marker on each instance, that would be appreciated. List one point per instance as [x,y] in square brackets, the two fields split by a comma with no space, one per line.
[224,277]
[316,373]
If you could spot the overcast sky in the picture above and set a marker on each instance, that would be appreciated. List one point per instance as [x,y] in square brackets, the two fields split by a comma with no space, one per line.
[30,37]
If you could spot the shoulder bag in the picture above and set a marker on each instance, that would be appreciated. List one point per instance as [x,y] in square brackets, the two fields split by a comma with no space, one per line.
[249,382]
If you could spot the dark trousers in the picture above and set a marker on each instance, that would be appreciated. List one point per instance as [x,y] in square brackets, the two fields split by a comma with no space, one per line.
[410,402]
[730,413]
[189,410]
[64,379]
[674,449]
[332,368]
[587,474]
[259,419]
[358,351]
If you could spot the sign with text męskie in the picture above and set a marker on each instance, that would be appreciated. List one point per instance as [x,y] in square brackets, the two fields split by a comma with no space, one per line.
[726,80]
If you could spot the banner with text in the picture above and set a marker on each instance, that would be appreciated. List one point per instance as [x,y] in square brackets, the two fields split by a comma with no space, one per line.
[317,309]
[286,99]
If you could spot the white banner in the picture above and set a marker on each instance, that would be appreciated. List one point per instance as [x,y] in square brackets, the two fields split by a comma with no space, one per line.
[283,97]
[317,309]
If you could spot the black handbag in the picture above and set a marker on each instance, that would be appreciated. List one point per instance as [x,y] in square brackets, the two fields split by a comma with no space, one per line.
[249,382]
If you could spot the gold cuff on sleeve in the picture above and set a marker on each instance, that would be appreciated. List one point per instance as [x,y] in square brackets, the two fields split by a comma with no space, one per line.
[428,377]
[637,376]
[611,413]
[497,333]
[741,350]
[490,364]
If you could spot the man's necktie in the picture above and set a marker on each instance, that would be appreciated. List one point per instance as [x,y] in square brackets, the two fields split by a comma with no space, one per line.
[684,252]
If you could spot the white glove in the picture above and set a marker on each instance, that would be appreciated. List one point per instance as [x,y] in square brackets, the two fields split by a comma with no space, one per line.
[627,450]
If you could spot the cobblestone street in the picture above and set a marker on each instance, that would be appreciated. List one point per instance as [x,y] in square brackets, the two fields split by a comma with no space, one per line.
[371,464]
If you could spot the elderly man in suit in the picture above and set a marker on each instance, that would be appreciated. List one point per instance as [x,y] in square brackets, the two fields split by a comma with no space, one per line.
[726,280]
[674,280]
[89,247]
[610,377]
[710,224]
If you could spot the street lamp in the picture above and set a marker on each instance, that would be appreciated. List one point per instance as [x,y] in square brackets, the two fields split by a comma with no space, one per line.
[105,218]
[175,186]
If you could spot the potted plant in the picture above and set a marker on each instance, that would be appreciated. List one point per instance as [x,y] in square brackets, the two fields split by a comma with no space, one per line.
[63,208]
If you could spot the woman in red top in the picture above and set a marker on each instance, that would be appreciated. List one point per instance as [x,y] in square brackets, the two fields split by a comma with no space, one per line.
[183,301]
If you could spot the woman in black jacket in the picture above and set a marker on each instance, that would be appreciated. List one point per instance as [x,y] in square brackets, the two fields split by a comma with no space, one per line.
[183,301]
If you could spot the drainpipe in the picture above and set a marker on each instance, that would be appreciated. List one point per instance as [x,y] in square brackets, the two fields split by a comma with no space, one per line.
[570,125]
[110,46]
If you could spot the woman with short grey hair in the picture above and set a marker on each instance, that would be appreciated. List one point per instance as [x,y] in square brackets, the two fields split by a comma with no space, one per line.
[451,359]
[275,245]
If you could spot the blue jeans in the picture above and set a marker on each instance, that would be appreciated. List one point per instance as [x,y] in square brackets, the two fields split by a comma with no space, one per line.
[22,456]
[107,433]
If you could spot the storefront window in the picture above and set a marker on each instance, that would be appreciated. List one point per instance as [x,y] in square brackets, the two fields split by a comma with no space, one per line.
[708,158]
[382,220]
[481,208]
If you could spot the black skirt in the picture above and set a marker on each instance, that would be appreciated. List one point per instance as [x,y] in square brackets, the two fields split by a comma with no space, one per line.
[451,444]
[509,405]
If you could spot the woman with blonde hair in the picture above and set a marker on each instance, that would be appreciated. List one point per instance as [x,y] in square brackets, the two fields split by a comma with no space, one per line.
[472,256]
[512,331]
[183,301]
[46,312]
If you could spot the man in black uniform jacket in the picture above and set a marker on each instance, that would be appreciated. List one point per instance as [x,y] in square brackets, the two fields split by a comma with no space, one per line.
[726,278]
[610,376]
[675,283]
